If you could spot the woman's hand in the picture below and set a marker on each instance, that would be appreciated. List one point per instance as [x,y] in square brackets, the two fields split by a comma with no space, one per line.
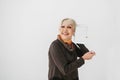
[88,55]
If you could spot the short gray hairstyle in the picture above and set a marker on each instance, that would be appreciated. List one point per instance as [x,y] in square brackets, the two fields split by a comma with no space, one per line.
[73,21]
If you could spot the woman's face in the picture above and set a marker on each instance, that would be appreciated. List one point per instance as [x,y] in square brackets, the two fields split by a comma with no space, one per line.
[67,30]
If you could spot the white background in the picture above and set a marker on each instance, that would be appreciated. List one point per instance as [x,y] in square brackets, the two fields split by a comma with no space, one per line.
[27,27]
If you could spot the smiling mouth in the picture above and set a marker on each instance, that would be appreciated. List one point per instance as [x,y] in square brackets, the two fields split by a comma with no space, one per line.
[65,34]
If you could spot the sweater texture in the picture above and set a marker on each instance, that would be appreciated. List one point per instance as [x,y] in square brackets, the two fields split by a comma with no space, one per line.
[64,62]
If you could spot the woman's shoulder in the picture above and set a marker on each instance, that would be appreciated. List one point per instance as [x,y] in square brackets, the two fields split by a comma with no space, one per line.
[55,42]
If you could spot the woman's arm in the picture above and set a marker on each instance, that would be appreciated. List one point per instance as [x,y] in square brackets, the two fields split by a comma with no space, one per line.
[81,49]
[83,52]
[60,60]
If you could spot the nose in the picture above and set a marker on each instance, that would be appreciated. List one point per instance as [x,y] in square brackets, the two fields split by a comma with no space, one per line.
[65,29]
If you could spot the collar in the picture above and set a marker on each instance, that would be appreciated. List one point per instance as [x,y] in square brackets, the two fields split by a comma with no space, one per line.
[69,42]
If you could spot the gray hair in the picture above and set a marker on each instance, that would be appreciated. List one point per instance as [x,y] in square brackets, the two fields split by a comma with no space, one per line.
[73,22]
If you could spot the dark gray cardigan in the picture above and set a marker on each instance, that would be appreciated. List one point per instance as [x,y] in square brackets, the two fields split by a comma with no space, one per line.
[63,62]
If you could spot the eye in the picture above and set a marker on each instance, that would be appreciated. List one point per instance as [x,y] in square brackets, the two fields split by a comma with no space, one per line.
[69,27]
[62,26]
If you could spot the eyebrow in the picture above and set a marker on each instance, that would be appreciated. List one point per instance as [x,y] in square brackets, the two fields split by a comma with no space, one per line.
[71,25]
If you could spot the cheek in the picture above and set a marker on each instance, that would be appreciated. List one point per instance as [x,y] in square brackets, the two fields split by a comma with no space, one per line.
[60,30]
[71,32]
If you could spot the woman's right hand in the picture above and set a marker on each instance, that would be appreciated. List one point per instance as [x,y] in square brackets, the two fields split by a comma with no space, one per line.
[88,55]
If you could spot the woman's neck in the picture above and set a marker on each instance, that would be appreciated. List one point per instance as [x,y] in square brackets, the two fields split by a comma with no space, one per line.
[65,41]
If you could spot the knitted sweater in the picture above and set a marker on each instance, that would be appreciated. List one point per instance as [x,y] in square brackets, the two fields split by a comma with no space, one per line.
[63,62]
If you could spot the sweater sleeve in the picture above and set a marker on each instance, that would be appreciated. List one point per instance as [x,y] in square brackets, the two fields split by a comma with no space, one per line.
[60,61]
[81,49]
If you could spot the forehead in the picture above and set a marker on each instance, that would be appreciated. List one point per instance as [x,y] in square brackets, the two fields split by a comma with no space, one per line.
[67,22]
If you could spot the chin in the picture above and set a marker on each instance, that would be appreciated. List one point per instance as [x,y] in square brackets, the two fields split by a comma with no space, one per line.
[66,38]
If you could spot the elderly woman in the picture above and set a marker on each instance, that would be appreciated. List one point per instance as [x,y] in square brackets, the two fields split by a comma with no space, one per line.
[64,53]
